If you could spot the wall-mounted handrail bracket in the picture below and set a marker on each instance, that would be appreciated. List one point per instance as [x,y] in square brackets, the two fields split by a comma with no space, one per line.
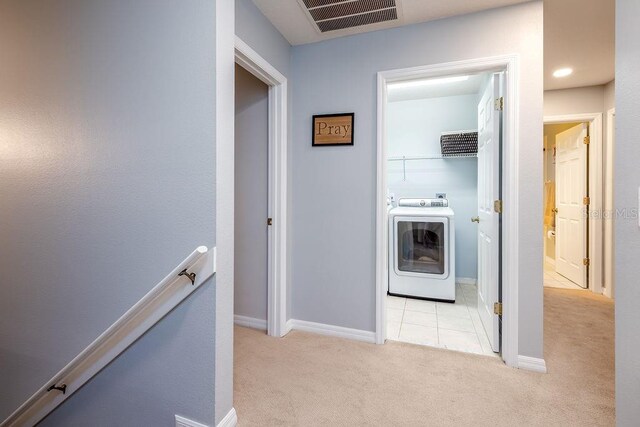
[134,323]
[190,276]
[62,388]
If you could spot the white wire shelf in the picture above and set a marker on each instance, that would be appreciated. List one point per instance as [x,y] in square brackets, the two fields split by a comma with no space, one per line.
[451,156]
[404,160]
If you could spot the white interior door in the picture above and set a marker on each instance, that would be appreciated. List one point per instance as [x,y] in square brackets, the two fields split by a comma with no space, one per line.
[489,219]
[571,188]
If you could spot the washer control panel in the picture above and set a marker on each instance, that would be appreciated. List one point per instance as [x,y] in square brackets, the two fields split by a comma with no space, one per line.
[424,203]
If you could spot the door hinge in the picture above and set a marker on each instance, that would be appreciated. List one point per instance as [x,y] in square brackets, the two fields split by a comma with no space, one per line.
[587,140]
[497,308]
[269,221]
[497,206]
[586,200]
[586,261]
[499,103]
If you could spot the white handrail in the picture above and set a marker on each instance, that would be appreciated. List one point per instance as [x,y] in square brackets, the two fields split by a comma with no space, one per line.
[159,301]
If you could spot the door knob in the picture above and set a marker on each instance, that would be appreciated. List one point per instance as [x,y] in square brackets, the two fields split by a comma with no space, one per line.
[475,219]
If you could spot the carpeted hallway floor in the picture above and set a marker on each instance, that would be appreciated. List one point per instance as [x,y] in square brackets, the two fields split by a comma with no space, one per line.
[311,380]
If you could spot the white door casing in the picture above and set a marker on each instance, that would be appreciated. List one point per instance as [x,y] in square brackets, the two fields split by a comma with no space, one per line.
[489,219]
[609,220]
[510,219]
[251,61]
[571,188]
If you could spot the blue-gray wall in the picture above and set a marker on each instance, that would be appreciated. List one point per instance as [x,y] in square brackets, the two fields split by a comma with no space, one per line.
[627,232]
[257,31]
[107,180]
[251,189]
[334,200]
[413,129]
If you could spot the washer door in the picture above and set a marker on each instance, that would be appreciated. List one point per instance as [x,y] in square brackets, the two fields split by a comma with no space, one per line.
[421,246]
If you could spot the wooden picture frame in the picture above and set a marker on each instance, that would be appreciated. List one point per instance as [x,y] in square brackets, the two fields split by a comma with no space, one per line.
[332,129]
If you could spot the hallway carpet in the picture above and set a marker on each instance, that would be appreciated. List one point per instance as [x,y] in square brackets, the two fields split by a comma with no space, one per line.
[312,380]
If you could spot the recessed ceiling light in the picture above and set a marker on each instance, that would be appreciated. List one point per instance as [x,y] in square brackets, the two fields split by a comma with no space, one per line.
[429,82]
[562,72]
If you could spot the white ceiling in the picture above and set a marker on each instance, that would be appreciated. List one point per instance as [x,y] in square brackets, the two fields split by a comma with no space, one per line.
[467,87]
[290,18]
[577,33]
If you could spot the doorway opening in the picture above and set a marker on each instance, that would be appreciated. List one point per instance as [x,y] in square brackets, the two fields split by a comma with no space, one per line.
[435,133]
[260,208]
[574,195]
[444,165]
[251,206]
[566,189]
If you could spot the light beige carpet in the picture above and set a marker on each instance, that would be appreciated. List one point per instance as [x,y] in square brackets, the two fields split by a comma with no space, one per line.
[311,380]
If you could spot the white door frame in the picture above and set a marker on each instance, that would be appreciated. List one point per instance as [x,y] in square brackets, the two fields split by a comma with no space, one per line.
[251,61]
[510,64]
[608,272]
[596,165]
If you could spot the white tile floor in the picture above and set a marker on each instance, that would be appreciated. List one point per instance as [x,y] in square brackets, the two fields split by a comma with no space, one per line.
[555,280]
[439,324]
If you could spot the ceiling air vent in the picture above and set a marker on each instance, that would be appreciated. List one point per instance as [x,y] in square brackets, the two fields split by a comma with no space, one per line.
[331,15]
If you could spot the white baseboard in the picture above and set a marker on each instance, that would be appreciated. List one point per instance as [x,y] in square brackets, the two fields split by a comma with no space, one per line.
[288,326]
[185,422]
[466,280]
[250,322]
[533,364]
[333,331]
[229,420]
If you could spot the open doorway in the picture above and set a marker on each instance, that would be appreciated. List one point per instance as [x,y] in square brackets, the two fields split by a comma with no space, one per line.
[566,189]
[440,215]
[260,235]
[435,134]
[574,195]
[251,208]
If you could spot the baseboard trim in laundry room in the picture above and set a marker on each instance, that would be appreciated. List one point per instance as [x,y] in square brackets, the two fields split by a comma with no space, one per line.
[466,280]
[250,322]
[533,364]
[333,331]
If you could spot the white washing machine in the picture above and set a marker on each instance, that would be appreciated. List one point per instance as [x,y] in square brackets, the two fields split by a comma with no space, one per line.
[422,260]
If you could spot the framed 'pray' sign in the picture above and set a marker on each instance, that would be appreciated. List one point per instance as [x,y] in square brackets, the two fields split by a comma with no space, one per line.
[332,129]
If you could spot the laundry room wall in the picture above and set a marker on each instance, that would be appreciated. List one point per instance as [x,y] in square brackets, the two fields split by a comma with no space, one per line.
[413,130]
[334,188]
